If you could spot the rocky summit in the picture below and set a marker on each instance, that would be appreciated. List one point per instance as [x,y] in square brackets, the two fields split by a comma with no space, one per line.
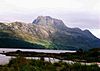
[47,33]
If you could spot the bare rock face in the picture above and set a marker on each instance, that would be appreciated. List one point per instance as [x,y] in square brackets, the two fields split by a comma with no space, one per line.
[49,22]
[52,33]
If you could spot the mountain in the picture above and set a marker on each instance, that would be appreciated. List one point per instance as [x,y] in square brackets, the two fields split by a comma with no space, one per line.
[50,33]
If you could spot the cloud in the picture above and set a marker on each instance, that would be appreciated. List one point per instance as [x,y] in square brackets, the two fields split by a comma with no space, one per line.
[96,32]
[31,4]
[83,20]
[73,5]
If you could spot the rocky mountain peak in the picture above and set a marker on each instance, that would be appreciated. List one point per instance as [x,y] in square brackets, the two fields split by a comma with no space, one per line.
[49,21]
[44,17]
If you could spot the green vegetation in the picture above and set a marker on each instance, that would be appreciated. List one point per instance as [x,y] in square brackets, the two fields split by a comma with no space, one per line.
[92,55]
[45,43]
[23,40]
[22,64]
[9,40]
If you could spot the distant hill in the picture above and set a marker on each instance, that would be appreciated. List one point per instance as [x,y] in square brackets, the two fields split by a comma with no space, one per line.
[46,32]
[7,40]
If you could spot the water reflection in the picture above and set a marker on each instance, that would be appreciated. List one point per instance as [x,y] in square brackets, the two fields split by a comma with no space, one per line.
[4,59]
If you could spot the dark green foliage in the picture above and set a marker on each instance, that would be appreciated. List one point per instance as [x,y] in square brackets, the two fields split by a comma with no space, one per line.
[9,42]
[93,55]
[6,40]
[22,64]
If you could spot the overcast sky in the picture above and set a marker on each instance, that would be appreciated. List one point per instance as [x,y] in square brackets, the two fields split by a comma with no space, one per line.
[84,14]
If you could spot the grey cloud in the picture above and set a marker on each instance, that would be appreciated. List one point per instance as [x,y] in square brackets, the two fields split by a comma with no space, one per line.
[82,20]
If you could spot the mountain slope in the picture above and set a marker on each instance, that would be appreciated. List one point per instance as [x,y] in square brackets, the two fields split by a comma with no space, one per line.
[7,40]
[51,33]
[64,37]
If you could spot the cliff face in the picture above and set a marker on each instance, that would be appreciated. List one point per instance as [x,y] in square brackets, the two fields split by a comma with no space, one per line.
[51,33]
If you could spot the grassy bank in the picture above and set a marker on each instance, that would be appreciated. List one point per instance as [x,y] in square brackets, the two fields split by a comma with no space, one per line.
[22,64]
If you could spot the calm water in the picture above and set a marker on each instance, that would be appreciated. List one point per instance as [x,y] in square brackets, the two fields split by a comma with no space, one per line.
[4,59]
[35,50]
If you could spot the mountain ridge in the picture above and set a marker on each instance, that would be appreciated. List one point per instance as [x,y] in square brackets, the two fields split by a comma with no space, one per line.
[51,33]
